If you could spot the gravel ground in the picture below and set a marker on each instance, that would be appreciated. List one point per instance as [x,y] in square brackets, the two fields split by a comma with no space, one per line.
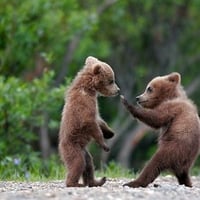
[167,189]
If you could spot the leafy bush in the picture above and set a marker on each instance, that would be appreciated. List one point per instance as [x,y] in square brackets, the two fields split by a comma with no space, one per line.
[23,108]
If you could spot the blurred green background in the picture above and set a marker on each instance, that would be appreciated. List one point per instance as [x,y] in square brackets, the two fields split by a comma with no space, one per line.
[44,43]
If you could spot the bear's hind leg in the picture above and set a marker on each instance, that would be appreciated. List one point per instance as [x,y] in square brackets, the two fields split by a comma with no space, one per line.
[150,172]
[88,174]
[76,165]
[183,178]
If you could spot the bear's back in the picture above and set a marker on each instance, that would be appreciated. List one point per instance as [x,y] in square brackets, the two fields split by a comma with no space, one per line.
[185,125]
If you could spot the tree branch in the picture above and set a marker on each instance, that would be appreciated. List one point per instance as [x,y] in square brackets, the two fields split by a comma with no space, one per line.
[68,58]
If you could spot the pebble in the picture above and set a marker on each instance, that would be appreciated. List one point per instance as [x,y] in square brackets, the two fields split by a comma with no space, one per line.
[165,188]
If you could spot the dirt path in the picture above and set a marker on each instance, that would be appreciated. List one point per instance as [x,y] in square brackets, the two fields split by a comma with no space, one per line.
[168,189]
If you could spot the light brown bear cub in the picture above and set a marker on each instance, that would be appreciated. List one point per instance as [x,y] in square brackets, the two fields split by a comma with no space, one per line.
[165,105]
[81,121]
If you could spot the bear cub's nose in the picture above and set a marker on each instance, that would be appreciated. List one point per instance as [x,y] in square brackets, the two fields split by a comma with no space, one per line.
[118,90]
[137,98]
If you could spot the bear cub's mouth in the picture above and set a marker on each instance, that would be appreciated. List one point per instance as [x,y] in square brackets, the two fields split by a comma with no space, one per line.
[140,102]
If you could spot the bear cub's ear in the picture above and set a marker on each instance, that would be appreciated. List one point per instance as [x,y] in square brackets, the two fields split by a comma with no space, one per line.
[97,69]
[174,77]
[90,60]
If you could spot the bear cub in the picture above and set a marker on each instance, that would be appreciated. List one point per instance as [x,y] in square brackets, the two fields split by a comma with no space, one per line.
[81,121]
[165,106]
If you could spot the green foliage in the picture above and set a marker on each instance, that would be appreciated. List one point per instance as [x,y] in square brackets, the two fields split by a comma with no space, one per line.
[139,39]
[23,106]
[31,168]
[29,29]
[115,170]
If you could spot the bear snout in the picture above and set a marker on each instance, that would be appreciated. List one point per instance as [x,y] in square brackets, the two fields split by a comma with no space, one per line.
[118,90]
[140,100]
[137,99]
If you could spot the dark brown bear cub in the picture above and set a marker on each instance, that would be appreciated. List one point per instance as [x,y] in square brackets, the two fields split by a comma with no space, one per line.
[81,121]
[165,106]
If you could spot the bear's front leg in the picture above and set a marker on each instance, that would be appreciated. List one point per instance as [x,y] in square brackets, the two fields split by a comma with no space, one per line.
[97,134]
[130,108]
[151,117]
[107,131]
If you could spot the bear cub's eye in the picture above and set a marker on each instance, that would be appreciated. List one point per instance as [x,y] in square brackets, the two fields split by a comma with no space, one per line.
[111,82]
[149,89]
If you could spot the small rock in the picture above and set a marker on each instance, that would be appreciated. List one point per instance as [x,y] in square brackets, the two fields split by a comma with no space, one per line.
[50,195]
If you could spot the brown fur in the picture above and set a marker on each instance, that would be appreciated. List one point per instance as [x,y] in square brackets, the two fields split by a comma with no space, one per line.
[166,106]
[81,121]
